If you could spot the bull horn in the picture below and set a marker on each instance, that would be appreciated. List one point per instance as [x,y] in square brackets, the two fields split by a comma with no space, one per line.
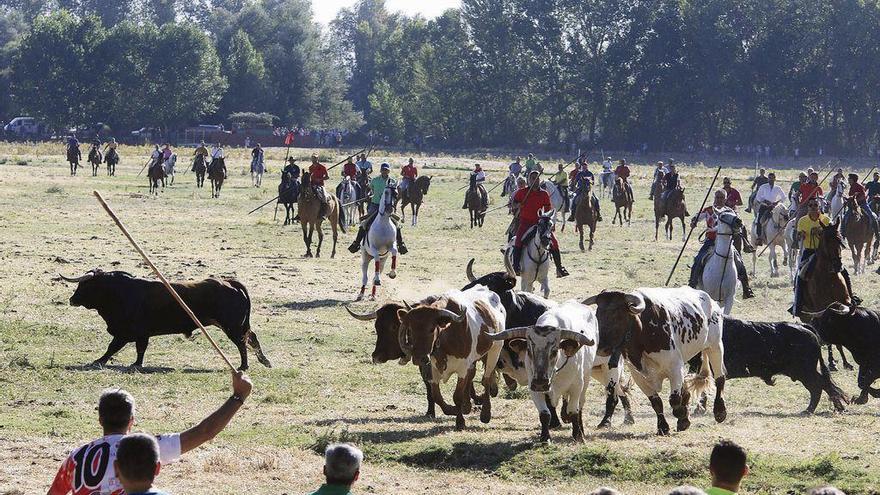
[836,306]
[470,271]
[510,333]
[88,275]
[636,303]
[590,300]
[811,314]
[406,304]
[451,315]
[367,317]
[575,336]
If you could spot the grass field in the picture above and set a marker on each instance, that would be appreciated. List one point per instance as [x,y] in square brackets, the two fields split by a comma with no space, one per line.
[323,387]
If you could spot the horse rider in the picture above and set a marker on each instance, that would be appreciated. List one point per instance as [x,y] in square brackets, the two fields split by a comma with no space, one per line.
[72,142]
[532,164]
[581,180]
[623,172]
[166,152]
[155,157]
[607,166]
[734,199]
[710,216]
[809,189]
[350,170]
[858,194]
[112,144]
[377,186]
[809,235]
[794,192]
[291,168]
[560,179]
[872,189]
[759,181]
[478,177]
[531,201]
[767,197]
[202,151]
[218,159]
[317,176]
[363,165]
[671,182]
[659,172]
[515,168]
[408,173]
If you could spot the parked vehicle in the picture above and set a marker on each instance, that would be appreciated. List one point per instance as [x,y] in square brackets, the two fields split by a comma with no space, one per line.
[24,128]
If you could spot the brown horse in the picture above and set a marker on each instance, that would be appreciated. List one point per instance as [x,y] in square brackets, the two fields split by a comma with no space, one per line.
[585,215]
[217,175]
[475,206]
[156,175]
[825,284]
[310,219]
[859,235]
[200,168]
[673,207]
[413,196]
[95,160]
[622,203]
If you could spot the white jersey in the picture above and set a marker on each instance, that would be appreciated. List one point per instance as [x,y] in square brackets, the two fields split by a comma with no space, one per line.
[770,194]
[89,469]
[607,166]
[217,153]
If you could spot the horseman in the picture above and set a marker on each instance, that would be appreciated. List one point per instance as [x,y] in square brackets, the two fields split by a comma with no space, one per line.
[710,216]
[794,192]
[155,157]
[734,199]
[515,168]
[363,165]
[671,181]
[166,153]
[218,159]
[409,173]
[377,186]
[659,172]
[607,166]
[291,168]
[560,179]
[532,164]
[73,150]
[809,190]
[477,178]
[350,170]
[317,176]
[531,201]
[202,151]
[858,194]
[623,172]
[767,197]
[809,235]
[872,188]
[582,180]
[759,181]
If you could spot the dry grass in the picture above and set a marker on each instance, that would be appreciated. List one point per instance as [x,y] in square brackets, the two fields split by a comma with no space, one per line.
[323,387]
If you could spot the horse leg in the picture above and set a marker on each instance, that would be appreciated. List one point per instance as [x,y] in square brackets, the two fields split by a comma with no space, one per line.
[846,364]
[656,227]
[333,226]
[580,229]
[365,266]
[320,230]
[307,237]
[377,274]
[592,229]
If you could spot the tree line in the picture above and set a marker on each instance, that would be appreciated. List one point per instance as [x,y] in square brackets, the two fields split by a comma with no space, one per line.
[659,74]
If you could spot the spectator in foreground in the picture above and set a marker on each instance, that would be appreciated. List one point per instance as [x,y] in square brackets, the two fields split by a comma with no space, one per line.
[342,467]
[686,490]
[85,471]
[825,490]
[728,467]
[605,490]
[137,464]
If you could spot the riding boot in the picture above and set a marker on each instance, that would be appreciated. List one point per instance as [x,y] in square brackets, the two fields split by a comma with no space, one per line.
[855,299]
[517,260]
[794,309]
[743,276]
[557,260]
[356,244]
[401,247]
[695,275]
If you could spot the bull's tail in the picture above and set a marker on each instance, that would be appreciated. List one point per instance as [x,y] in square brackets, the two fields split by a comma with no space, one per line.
[250,338]
[836,394]
[701,382]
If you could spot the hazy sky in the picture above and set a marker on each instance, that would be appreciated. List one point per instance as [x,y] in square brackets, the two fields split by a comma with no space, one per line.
[325,10]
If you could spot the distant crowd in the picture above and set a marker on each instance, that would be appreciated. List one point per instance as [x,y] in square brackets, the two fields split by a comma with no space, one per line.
[327,138]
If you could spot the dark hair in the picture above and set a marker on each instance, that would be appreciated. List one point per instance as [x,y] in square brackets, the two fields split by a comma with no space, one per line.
[115,409]
[728,461]
[137,456]
[854,177]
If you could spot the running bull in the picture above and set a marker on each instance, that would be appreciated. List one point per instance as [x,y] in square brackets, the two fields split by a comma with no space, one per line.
[136,309]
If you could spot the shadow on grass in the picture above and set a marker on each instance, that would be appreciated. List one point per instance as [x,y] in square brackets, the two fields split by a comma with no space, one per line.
[317,303]
[147,370]
[465,455]
[416,419]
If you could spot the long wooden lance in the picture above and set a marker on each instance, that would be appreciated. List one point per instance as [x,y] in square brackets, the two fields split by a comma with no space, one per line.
[691,231]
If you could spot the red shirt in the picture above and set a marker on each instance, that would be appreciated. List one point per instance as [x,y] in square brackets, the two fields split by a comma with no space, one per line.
[318,174]
[810,191]
[537,201]
[409,171]
[572,175]
[711,218]
[622,171]
[348,170]
[733,198]
[857,191]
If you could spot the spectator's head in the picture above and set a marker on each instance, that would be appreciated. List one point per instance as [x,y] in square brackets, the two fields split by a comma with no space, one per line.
[686,490]
[342,464]
[608,158]
[137,462]
[825,490]
[115,411]
[258,146]
[727,465]
[477,167]
[809,171]
[605,490]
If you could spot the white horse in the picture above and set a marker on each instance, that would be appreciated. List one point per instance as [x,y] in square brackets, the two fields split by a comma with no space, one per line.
[168,165]
[607,180]
[556,199]
[380,241]
[837,201]
[257,170]
[774,229]
[719,271]
[347,196]
[509,188]
[535,256]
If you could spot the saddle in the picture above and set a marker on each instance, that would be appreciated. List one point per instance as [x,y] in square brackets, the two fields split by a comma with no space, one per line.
[526,238]
[367,220]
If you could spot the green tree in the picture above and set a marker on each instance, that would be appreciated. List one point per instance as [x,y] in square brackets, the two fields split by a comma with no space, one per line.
[386,110]
[246,74]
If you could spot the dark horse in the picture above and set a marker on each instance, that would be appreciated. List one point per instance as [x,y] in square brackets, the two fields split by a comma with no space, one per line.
[475,203]
[363,192]
[623,205]
[95,159]
[825,284]
[413,196]
[111,159]
[73,157]
[217,174]
[155,175]
[200,168]
[288,191]
[672,207]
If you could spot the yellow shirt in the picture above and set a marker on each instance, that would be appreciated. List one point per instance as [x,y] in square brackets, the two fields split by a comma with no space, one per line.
[560,178]
[807,224]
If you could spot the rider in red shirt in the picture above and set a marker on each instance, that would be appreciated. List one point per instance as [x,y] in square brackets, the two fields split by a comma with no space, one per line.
[811,189]
[532,200]
[623,172]
[858,194]
[409,172]
[350,170]
[317,176]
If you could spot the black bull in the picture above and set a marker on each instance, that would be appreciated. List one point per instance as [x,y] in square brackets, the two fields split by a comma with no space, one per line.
[136,309]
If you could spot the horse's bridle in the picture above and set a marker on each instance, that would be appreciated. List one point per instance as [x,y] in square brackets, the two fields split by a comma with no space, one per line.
[539,238]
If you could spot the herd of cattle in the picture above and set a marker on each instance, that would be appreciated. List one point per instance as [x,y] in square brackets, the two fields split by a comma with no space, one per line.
[645,336]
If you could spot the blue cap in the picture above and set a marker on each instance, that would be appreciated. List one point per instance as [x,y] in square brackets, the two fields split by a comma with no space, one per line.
[385,166]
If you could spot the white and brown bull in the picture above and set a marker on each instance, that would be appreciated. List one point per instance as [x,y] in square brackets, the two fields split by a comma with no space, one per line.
[451,334]
[658,331]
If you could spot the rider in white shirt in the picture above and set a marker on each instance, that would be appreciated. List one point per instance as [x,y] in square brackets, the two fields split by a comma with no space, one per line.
[767,197]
